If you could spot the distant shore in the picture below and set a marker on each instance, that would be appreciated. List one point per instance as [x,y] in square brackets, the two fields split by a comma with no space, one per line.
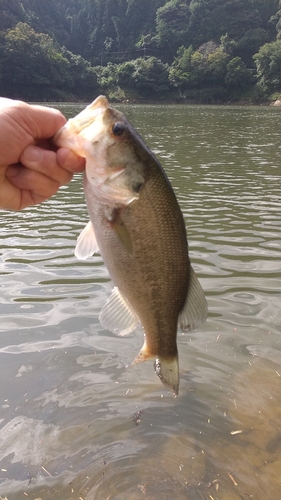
[231,102]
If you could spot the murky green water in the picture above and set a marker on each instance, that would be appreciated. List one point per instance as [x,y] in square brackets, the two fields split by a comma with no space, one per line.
[75,423]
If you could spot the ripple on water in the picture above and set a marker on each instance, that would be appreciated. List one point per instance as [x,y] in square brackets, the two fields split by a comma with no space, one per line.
[75,421]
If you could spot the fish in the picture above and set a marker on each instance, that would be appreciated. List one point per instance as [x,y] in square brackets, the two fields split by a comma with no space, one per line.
[138,227]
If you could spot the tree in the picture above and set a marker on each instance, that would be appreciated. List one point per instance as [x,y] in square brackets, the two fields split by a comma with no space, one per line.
[107,76]
[249,44]
[82,74]
[204,67]
[171,27]
[48,47]
[124,73]
[31,60]
[208,65]
[180,73]
[217,61]
[150,76]
[237,73]
[276,20]
[268,64]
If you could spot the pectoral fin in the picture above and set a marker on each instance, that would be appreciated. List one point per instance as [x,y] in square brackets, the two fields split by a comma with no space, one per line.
[86,244]
[117,314]
[121,231]
[195,310]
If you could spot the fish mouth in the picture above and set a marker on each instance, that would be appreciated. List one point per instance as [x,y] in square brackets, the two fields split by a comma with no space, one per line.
[66,139]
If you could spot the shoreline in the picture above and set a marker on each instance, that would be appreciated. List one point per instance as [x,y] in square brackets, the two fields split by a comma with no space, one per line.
[114,98]
[190,102]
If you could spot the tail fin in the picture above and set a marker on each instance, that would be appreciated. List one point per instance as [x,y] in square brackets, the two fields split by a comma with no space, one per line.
[167,369]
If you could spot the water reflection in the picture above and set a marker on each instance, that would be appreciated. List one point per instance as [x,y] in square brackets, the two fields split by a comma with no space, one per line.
[75,422]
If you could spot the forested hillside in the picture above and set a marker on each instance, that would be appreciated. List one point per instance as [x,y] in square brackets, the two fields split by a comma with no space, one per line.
[182,50]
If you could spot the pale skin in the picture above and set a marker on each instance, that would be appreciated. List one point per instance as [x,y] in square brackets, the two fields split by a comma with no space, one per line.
[31,169]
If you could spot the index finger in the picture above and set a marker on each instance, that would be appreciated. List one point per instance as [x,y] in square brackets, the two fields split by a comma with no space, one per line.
[44,122]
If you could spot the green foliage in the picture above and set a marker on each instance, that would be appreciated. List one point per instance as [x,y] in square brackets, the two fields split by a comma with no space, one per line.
[237,74]
[124,73]
[180,74]
[217,61]
[268,62]
[196,68]
[210,19]
[249,44]
[31,60]
[148,76]
[34,66]
[53,49]
[82,74]
[107,76]
[276,20]
[171,26]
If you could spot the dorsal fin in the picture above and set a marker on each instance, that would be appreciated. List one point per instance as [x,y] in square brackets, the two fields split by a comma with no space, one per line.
[195,309]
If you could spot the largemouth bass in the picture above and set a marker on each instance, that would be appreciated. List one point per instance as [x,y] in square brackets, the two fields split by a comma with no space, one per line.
[137,226]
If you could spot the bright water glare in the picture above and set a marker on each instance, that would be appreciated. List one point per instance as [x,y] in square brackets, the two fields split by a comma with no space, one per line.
[75,422]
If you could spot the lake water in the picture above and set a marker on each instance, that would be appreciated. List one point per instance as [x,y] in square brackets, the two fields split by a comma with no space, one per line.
[75,422]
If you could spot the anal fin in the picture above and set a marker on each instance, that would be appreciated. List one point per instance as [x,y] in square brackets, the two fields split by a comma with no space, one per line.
[143,355]
[117,314]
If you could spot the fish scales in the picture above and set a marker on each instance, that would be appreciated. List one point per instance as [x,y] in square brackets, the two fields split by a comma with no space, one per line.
[138,227]
[155,278]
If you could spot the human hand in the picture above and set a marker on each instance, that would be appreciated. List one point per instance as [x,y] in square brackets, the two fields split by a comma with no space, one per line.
[30,169]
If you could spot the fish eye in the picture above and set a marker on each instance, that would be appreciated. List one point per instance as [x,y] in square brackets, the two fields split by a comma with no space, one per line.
[118,128]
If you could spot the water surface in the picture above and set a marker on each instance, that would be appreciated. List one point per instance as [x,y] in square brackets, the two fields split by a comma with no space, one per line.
[75,423]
